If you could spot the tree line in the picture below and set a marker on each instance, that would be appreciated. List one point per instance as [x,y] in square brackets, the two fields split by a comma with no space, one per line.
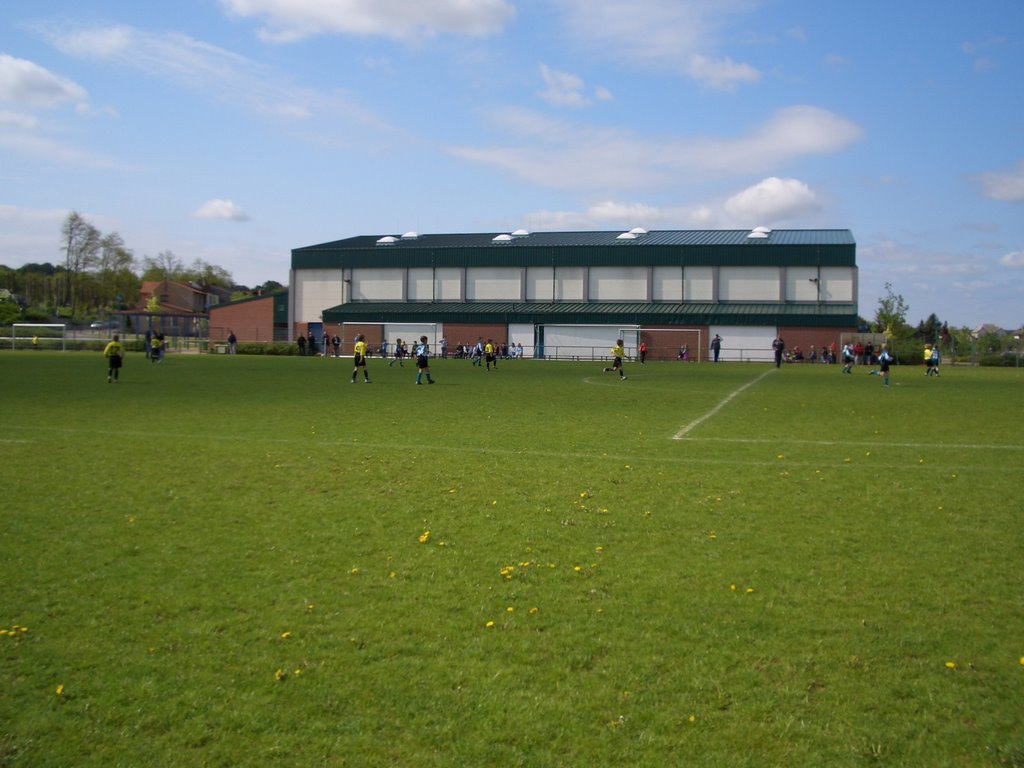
[97,273]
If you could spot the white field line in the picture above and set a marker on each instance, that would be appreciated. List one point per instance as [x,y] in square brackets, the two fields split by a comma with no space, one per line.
[855,443]
[682,433]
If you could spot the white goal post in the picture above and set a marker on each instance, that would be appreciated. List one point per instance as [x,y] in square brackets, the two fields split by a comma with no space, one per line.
[679,337]
[50,334]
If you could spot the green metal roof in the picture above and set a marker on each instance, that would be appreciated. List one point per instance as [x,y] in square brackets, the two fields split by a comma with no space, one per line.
[790,247]
[595,313]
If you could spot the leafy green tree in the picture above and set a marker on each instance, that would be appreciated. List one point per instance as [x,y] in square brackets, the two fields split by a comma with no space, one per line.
[80,242]
[891,317]
[164,266]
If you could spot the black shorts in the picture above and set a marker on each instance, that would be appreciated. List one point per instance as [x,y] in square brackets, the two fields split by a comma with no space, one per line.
[360,360]
[422,361]
[115,361]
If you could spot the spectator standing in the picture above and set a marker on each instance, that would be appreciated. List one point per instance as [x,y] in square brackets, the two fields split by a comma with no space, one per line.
[778,347]
[716,347]
[336,344]
[301,341]
[642,349]
[232,343]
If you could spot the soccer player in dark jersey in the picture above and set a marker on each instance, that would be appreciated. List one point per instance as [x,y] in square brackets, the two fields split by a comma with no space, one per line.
[423,360]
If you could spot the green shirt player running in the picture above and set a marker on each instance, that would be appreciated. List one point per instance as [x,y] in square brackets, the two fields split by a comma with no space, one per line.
[617,352]
[114,353]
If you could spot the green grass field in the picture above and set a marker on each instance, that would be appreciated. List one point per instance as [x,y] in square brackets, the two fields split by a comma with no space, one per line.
[241,561]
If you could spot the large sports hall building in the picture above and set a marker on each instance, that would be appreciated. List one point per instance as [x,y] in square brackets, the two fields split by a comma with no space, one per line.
[568,295]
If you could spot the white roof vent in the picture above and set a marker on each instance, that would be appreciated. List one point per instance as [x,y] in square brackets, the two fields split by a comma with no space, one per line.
[521,233]
[638,231]
[410,236]
[765,230]
[387,240]
[626,236]
[755,235]
[502,239]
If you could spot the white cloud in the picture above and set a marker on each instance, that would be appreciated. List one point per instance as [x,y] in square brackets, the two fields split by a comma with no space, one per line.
[17,120]
[722,74]
[567,90]
[669,35]
[221,76]
[555,153]
[288,21]
[1014,260]
[772,200]
[25,83]
[224,210]
[1006,186]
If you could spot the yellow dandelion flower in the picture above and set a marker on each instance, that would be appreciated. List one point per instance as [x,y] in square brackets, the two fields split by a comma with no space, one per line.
[354,571]
[577,568]
[534,611]
[59,690]
[599,549]
[285,635]
[494,503]
[750,590]
[489,625]
[732,587]
[692,718]
[298,673]
[279,674]
[1022,660]
[392,575]
[950,665]
[424,537]
[310,606]
[510,609]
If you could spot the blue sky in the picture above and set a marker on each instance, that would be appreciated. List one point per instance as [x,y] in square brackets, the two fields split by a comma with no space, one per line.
[235,130]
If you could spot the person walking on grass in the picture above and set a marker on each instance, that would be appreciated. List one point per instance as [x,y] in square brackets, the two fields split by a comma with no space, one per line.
[398,355]
[847,358]
[643,352]
[884,358]
[156,348]
[489,356]
[423,360]
[360,359]
[934,370]
[617,353]
[114,353]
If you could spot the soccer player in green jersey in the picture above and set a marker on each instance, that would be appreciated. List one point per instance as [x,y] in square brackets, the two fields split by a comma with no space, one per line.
[114,352]
[360,359]
[617,352]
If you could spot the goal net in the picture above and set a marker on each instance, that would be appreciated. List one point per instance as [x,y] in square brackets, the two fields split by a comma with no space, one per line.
[38,336]
[680,344]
